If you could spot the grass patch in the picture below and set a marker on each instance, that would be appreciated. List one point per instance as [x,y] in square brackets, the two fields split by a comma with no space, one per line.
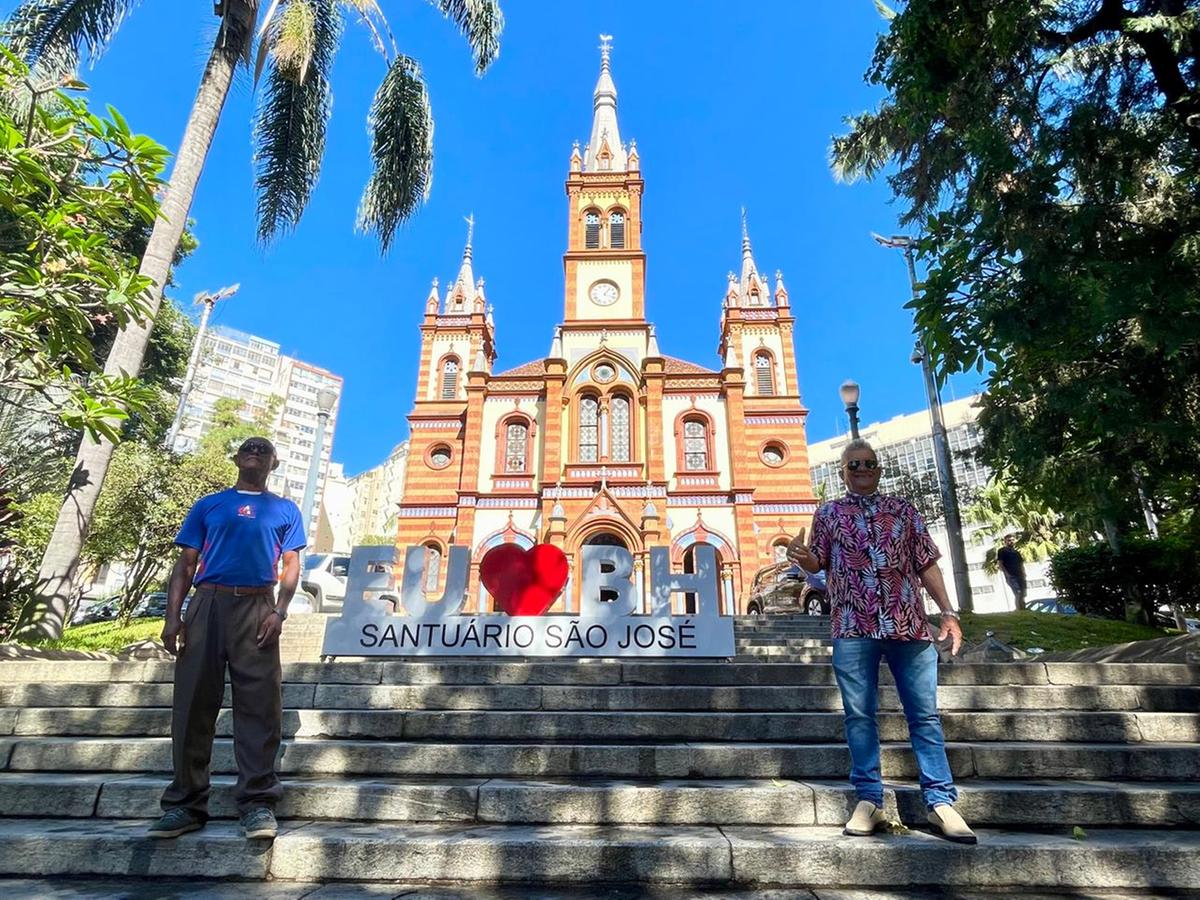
[1053,632]
[105,636]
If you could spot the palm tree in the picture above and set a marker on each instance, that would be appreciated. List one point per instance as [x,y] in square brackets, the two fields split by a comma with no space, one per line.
[297,41]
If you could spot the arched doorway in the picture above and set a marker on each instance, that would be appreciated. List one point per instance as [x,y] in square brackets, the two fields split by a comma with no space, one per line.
[606,539]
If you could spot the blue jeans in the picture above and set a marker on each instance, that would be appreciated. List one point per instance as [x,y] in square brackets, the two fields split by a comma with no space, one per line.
[914,668]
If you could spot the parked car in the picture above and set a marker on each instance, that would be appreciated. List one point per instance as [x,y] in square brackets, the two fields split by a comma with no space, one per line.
[324,580]
[1165,618]
[784,588]
[1050,605]
[100,611]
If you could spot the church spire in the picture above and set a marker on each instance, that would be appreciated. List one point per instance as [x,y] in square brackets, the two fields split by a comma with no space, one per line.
[604,151]
[460,296]
[752,287]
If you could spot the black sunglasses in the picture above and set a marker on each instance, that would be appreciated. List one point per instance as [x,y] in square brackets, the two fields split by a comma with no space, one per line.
[258,448]
[855,464]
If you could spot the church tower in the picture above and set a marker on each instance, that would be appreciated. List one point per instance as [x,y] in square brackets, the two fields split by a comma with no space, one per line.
[604,264]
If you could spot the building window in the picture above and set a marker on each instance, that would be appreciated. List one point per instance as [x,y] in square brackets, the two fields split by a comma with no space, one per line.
[774,453]
[764,374]
[433,567]
[591,230]
[589,429]
[779,551]
[516,446]
[619,410]
[695,445]
[616,230]
[439,456]
[449,378]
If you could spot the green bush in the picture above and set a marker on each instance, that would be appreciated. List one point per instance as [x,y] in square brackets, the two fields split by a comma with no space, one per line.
[1142,576]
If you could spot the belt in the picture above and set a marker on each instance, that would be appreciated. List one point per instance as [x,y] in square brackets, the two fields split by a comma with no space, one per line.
[236,590]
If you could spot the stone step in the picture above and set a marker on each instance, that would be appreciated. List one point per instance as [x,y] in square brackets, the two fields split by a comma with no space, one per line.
[765,698]
[585,854]
[302,756]
[481,725]
[44,673]
[672,801]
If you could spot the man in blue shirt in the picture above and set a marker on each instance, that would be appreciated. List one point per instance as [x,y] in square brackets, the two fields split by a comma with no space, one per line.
[232,544]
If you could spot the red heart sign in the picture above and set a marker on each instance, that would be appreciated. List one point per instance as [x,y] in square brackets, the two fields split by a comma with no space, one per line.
[524,582]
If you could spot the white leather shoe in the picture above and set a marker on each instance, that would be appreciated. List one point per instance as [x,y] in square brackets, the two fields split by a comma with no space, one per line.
[866,820]
[945,820]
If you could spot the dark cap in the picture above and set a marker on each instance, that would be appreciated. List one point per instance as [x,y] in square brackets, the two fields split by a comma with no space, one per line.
[257,444]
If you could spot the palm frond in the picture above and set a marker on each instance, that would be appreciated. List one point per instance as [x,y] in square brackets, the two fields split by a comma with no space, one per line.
[401,126]
[54,36]
[481,21]
[371,15]
[293,112]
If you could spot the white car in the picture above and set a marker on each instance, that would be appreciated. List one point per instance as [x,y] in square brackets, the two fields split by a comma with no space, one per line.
[323,581]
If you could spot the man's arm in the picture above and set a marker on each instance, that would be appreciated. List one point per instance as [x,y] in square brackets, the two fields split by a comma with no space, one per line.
[932,581]
[181,581]
[272,626]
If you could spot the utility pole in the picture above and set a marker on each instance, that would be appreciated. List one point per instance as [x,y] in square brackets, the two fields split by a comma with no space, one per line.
[941,446]
[209,301]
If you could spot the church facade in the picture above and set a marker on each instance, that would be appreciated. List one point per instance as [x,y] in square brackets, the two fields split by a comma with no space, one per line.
[606,440]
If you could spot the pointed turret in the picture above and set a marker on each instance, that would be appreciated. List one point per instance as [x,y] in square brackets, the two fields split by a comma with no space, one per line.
[604,151]
[752,287]
[460,298]
[434,301]
[652,344]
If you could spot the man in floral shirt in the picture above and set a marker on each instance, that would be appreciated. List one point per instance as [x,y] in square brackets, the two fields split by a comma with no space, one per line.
[878,554]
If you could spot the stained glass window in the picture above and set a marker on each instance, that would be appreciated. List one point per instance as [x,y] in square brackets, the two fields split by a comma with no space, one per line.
[589,431]
[440,457]
[695,446]
[515,446]
[619,408]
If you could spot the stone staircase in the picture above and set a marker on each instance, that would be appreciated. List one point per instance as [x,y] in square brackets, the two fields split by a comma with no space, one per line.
[796,639]
[714,778]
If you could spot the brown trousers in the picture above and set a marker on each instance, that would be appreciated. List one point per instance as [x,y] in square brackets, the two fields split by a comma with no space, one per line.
[220,629]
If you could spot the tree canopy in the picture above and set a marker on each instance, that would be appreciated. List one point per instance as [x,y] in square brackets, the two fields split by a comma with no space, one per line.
[1047,153]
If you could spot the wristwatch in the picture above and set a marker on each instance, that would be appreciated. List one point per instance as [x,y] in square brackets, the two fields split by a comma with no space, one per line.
[952,613]
[282,613]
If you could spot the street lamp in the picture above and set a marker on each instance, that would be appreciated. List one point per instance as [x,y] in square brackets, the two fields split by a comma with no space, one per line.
[209,301]
[325,400]
[850,393]
[941,446]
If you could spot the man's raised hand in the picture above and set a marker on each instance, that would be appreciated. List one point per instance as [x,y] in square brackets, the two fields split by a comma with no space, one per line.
[798,553]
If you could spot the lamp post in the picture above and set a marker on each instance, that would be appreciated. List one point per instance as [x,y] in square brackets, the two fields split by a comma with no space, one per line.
[325,400]
[850,393]
[941,446]
[209,301]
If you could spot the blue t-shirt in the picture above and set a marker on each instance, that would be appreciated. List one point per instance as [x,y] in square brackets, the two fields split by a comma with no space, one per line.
[241,535]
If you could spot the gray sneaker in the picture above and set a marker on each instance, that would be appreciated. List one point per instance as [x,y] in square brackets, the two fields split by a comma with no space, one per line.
[259,823]
[173,823]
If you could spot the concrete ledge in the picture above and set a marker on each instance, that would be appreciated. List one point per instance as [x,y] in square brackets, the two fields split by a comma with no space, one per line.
[1106,859]
[521,853]
[717,802]
[75,847]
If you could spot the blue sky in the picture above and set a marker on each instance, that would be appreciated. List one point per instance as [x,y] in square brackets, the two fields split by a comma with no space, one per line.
[731,104]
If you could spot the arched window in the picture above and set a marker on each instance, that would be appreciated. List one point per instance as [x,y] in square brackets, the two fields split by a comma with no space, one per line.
[695,445]
[516,447]
[449,378]
[616,230]
[619,413]
[764,374]
[433,567]
[589,429]
[591,230]
[779,551]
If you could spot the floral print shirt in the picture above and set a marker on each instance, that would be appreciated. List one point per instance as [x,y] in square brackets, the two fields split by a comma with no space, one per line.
[873,549]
